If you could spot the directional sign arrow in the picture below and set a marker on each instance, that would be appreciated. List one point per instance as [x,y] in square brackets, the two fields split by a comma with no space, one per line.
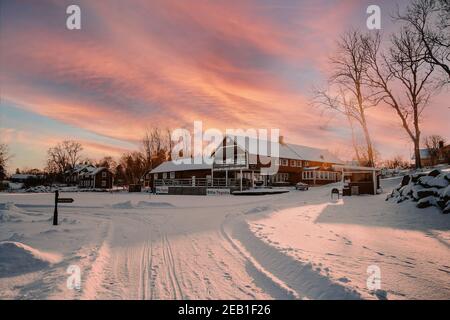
[65,200]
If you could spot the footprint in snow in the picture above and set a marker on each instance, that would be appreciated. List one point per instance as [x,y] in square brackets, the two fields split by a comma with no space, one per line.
[344,280]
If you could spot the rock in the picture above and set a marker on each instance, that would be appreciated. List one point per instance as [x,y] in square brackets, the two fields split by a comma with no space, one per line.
[447,177]
[405,180]
[401,199]
[447,208]
[445,193]
[395,193]
[427,192]
[415,189]
[439,182]
[417,176]
[425,181]
[441,204]
[426,202]
[434,173]
[407,190]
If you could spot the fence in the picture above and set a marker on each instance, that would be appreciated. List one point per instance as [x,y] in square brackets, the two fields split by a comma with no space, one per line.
[197,182]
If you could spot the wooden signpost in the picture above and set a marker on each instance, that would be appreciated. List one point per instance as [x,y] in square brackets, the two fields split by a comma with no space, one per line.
[59,200]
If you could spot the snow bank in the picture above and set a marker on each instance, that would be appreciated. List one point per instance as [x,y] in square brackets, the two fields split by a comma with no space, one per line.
[10,213]
[141,205]
[122,205]
[17,258]
[148,204]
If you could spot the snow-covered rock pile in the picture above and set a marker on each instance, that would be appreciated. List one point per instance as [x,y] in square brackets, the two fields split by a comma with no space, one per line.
[432,189]
[39,189]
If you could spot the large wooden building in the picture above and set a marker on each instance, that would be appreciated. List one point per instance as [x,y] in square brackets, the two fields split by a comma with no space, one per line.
[243,162]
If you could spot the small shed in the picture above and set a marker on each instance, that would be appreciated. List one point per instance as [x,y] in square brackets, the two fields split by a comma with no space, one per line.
[359,180]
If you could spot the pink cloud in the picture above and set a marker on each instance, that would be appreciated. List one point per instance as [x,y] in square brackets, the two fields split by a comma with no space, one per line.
[168,63]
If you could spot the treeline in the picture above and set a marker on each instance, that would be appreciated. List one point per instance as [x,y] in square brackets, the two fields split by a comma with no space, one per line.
[128,168]
[402,72]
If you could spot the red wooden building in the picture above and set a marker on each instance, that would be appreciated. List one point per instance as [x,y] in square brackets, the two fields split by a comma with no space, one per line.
[242,162]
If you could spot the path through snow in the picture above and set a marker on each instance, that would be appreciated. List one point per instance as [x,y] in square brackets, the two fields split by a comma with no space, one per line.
[294,245]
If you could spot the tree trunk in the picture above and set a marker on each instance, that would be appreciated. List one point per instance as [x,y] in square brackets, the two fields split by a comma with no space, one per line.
[354,142]
[368,140]
[418,161]
[369,146]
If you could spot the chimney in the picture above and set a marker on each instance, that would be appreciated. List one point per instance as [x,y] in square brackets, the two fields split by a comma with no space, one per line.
[441,144]
[281,140]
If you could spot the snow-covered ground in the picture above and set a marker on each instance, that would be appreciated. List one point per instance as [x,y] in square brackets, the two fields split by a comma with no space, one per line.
[299,244]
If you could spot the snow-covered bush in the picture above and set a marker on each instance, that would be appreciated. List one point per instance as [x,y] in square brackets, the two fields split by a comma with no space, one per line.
[432,189]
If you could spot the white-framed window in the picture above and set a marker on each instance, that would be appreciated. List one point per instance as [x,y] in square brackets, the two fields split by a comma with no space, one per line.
[104,174]
[307,175]
[299,163]
[172,175]
[164,175]
[306,163]
[280,177]
[284,162]
[293,163]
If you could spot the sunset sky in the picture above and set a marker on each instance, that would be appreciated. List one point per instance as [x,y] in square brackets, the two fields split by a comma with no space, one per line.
[144,63]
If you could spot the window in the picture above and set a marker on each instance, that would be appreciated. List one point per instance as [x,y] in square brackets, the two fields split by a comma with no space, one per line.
[104,174]
[299,163]
[155,176]
[103,183]
[284,162]
[280,177]
[164,175]
[306,163]
[307,175]
[172,175]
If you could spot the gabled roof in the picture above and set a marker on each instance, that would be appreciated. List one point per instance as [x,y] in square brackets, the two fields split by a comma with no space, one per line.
[171,166]
[289,151]
[286,150]
[424,154]
[92,171]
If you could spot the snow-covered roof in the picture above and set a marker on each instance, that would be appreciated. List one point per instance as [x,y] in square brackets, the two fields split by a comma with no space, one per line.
[81,167]
[287,150]
[424,154]
[182,165]
[91,170]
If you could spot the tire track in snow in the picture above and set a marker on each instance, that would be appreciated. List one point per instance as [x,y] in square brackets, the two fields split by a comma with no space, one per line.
[170,268]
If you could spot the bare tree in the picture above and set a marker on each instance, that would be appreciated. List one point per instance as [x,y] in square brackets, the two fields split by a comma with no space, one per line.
[346,93]
[4,157]
[63,156]
[57,161]
[430,21]
[401,78]
[73,150]
[107,162]
[433,144]
[132,166]
[396,162]
[156,147]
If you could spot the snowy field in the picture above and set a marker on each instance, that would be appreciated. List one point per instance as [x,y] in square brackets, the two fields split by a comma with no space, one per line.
[297,245]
